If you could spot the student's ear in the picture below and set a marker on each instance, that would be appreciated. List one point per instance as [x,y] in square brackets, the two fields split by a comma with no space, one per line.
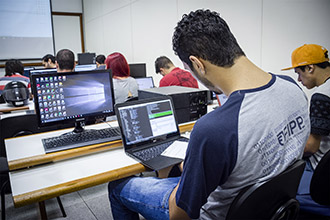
[56,64]
[310,68]
[197,65]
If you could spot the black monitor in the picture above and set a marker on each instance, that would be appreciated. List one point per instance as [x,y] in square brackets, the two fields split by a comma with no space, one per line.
[86,58]
[145,82]
[138,70]
[72,97]
[27,71]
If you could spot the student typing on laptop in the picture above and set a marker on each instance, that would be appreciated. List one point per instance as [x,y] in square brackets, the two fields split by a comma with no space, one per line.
[260,130]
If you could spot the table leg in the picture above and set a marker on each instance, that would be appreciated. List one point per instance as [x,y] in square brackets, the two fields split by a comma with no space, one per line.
[42,210]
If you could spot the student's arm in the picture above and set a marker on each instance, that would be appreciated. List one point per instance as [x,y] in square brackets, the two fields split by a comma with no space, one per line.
[312,145]
[175,211]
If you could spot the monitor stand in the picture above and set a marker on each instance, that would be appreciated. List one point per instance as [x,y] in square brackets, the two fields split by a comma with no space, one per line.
[79,127]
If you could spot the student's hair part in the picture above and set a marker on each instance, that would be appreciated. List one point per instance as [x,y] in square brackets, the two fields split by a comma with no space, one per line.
[65,59]
[162,62]
[118,65]
[47,57]
[100,59]
[206,35]
[13,66]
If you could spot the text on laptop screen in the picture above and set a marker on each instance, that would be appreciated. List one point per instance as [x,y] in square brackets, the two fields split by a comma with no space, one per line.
[146,121]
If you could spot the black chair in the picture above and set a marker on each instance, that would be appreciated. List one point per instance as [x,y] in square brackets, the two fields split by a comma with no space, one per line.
[271,199]
[320,183]
[13,127]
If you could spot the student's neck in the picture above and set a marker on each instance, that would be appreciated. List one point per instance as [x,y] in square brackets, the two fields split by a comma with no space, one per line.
[242,75]
[324,75]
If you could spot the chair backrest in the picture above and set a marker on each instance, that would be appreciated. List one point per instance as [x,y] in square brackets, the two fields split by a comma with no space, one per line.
[270,199]
[20,125]
[320,183]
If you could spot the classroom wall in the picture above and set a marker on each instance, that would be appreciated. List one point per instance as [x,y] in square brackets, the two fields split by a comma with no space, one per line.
[267,30]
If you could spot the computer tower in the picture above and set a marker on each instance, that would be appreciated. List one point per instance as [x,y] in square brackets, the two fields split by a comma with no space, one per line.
[189,103]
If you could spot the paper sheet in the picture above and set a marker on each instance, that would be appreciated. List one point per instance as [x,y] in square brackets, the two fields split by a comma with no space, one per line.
[176,150]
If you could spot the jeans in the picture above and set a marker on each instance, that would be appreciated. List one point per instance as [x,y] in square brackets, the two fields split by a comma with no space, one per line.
[145,195]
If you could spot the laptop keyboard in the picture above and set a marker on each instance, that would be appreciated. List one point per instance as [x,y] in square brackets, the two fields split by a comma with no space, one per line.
[154,151]
[74,140]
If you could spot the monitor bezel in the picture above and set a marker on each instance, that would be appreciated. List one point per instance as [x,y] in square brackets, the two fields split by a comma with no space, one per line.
[73,121]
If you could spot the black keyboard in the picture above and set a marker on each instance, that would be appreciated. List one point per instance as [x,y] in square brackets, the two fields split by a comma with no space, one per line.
[74,140]
[154,151]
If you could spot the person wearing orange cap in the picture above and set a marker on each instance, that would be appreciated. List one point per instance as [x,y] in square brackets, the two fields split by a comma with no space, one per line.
[311,63]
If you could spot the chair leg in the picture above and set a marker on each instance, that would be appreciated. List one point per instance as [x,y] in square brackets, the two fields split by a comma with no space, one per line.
[3,208]
[61,206]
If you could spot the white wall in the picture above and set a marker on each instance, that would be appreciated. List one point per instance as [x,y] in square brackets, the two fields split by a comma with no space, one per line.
[267,30]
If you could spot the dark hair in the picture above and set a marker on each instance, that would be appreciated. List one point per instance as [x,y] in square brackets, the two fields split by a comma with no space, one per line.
[118,65]
[13,66]
[100,59]
[47,57]
[162,62]
[321,65]
[65,59]
[206,35]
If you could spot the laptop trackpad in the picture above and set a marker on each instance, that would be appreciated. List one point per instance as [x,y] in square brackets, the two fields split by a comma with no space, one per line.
[161,162]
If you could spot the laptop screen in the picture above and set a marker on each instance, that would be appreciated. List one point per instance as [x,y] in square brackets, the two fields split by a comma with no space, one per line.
[147,121]
[145,82]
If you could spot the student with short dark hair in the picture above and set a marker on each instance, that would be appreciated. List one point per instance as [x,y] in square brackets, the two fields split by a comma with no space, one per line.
[14,70]
[311,63]
[65,61]
[49,61]
[260,130]
[172,75]
[100,59]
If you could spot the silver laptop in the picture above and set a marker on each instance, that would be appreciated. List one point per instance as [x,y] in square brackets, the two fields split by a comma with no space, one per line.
[148,127]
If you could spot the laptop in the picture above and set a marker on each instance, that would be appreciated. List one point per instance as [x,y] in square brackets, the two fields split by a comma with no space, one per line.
[148,127]
[145,82]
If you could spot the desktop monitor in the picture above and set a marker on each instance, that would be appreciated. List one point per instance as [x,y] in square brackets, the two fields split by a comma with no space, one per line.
[138,70]
[86,58]
[72,97]
[145,82]
[27,71]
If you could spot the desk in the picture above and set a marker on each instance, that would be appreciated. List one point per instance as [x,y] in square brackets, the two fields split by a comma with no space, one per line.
[74,169]
[36,176]
[5,107]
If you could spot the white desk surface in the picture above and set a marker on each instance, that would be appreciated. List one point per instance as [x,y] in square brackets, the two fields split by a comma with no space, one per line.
[39,177]
[15,147]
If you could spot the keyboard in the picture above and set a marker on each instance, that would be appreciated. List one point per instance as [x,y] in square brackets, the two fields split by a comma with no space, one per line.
[154,151]
[85,138]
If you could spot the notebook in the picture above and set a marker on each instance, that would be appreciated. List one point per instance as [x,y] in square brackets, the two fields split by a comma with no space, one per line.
[149,126]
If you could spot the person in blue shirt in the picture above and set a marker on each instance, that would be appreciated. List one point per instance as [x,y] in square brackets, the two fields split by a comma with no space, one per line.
[260,130]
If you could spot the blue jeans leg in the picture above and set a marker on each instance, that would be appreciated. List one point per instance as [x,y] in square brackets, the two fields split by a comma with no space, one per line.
[145,195]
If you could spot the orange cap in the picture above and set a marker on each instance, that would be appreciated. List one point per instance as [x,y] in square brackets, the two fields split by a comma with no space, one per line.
[308,54]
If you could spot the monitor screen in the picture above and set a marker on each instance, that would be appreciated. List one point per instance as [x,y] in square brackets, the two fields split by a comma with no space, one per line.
[72,97]
[138,70]
[145,82]
[86,58]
